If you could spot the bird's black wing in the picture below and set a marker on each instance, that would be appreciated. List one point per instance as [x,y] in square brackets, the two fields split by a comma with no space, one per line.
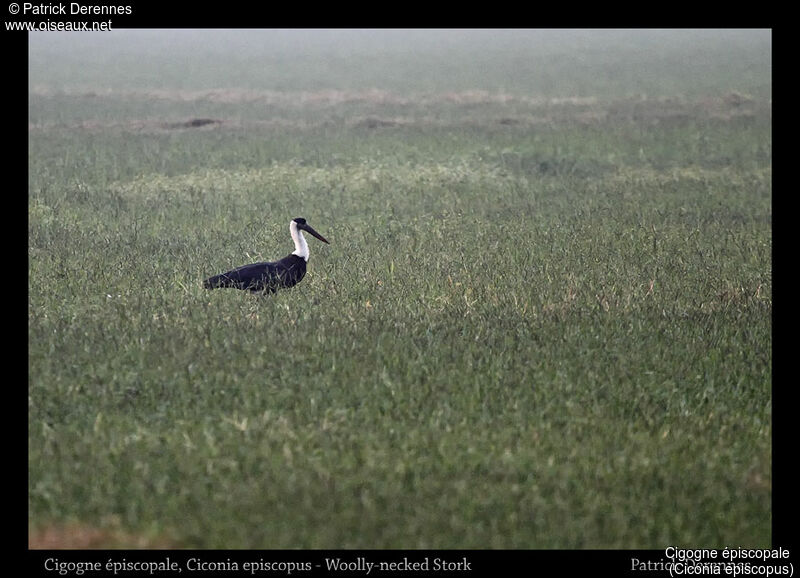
[255,277]
[261,276]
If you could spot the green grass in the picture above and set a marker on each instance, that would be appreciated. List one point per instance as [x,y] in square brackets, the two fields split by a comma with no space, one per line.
[537,325]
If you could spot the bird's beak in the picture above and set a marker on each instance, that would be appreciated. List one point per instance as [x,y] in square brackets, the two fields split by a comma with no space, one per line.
[313,232]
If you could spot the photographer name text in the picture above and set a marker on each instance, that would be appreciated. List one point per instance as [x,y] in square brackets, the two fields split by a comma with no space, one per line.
[74,8]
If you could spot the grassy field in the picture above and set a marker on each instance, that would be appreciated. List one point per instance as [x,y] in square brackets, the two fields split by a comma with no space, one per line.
[543,321]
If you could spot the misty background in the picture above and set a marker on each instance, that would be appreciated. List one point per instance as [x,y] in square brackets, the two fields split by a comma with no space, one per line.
[542,63]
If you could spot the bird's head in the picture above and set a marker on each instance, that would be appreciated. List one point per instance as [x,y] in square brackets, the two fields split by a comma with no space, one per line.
[301,224]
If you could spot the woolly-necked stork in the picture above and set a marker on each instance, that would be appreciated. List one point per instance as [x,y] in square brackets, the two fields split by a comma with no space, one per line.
[269,277]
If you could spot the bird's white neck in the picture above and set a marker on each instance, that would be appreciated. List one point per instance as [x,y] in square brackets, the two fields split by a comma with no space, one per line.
[300,245]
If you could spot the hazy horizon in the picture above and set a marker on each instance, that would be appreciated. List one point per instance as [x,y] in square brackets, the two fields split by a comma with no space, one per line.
[551,62]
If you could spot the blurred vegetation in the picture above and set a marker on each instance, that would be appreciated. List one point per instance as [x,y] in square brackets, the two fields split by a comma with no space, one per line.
[543,321]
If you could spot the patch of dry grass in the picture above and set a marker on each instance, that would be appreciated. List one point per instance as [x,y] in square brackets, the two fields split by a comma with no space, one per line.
[83,536]
[374,108]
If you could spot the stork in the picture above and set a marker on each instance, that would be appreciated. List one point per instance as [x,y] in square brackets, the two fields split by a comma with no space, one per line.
[269,277]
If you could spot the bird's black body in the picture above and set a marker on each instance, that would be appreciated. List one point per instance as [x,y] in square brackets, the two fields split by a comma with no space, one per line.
[269,277]
[260,277]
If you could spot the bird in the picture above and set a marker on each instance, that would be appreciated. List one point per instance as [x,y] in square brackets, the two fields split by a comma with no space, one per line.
[268,277]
